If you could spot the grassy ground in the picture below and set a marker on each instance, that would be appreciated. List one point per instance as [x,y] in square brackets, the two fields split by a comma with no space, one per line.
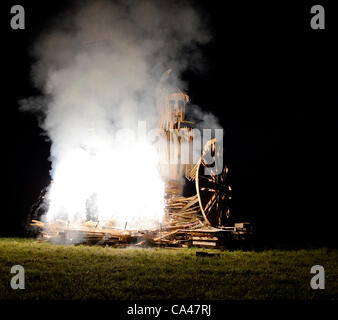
[83,272]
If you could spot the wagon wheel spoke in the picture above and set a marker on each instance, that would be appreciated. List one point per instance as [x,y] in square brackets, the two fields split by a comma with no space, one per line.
[206,179]
[208,189]
[211,203]
[225,172]
[219,210]
[208,183]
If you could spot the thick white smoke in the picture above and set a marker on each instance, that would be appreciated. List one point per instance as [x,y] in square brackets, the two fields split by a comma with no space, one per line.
[98,66]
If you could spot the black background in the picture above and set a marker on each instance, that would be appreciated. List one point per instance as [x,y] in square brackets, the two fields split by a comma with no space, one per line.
[270,79]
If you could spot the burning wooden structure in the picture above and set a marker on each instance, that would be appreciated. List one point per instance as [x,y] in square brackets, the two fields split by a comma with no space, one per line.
[202,219]
[210,204]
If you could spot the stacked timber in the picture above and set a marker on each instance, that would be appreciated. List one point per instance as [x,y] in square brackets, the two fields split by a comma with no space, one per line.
[182,210]
[242,231]
[197,234]
[209,237]
[90,232]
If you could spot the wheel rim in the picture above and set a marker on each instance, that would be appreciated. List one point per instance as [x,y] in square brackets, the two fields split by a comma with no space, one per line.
[212,190]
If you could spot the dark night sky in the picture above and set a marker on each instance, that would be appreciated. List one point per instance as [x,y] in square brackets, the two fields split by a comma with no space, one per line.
[270,79]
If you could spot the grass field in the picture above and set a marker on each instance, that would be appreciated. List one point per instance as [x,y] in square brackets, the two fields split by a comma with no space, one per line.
[93,272]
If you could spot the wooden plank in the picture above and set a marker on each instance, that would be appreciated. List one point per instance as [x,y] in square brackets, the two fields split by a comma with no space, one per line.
[205,238]
[204,243]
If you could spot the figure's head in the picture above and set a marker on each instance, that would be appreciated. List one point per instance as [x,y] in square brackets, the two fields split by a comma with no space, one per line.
[176,103]
[171,100]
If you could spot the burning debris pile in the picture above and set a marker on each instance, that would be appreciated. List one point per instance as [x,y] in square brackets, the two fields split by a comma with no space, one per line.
[196,234]
[98,71]
[200,220]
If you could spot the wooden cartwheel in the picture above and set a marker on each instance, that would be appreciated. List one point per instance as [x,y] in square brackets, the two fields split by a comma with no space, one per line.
[211,201]
[211,186]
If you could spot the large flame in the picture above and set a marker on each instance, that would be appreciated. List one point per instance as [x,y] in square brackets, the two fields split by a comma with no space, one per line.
[120,184]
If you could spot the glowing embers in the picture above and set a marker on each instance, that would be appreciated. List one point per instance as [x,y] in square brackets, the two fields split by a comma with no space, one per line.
[118,183]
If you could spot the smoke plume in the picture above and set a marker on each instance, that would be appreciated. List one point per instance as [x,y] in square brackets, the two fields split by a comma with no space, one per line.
[98,65]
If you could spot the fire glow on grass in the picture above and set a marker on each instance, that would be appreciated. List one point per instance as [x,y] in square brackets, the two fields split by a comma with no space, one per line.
[119,183]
